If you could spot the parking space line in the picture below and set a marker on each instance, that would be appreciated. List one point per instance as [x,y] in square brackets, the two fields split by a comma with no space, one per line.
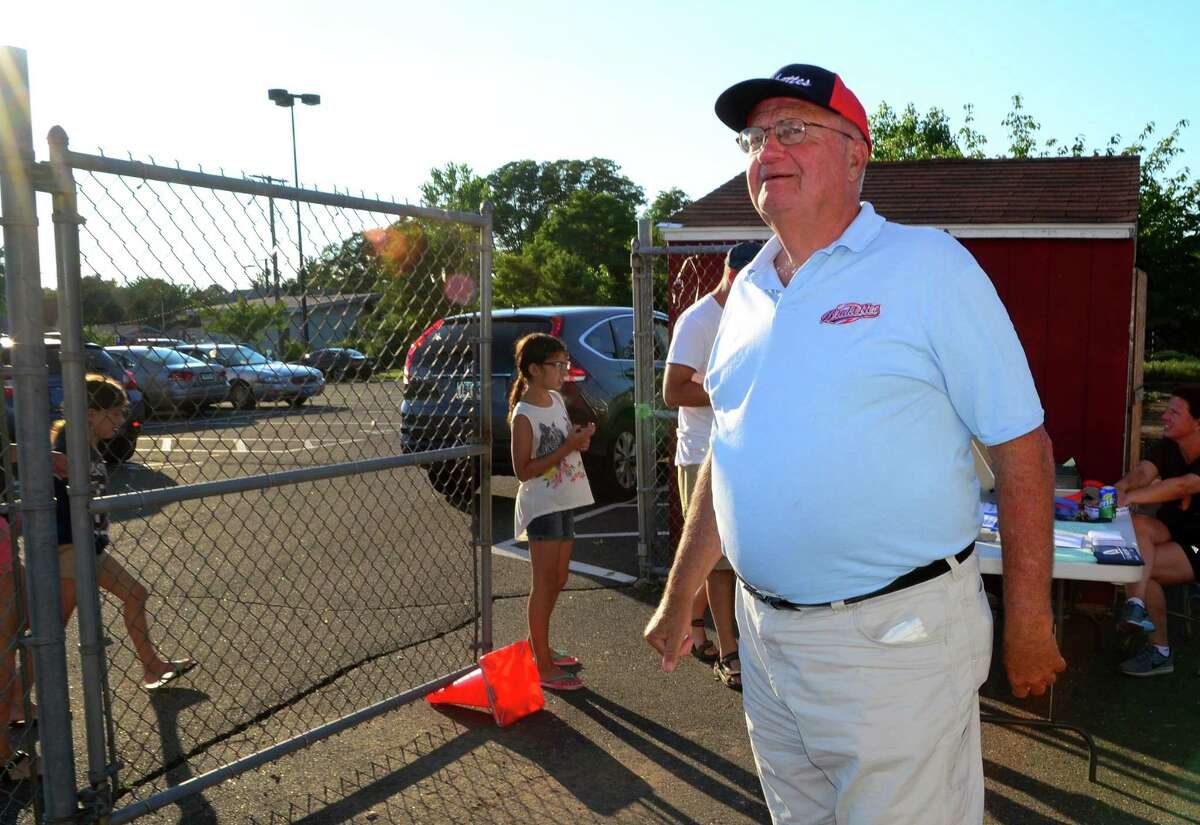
[604,509]
[508,550]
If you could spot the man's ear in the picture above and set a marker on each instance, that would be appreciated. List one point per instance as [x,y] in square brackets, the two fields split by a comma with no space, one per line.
[859,155]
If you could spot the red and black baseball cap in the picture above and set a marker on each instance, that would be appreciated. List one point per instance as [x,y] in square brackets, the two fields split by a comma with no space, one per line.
[797,80]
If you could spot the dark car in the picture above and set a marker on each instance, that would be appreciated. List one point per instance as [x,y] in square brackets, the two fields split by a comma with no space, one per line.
[120,447]
[340,363]
[441,396]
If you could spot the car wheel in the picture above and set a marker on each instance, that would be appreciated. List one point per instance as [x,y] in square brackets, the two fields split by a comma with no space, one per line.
[298,402]
[118,449]
[616,475]
[242,397]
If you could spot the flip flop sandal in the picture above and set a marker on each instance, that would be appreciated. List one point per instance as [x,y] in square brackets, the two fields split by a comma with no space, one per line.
[20,767]
[564,682]
[178,668]
[560,658]
[707,652]
[724,671]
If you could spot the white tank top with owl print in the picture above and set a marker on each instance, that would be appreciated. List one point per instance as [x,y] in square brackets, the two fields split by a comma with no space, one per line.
[562,487]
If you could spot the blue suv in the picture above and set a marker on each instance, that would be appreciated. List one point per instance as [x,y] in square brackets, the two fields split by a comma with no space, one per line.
[441,397]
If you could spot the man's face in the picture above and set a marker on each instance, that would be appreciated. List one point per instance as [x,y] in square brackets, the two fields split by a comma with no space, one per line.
[1178,422]
[807,177]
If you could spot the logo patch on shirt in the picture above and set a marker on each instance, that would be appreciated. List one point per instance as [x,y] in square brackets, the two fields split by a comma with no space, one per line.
[849,313]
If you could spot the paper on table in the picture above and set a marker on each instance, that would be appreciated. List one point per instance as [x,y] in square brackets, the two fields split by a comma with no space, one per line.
[1068,539]
[1095,537]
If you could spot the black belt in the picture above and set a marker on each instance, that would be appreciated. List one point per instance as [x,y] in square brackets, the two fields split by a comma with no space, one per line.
[909,579]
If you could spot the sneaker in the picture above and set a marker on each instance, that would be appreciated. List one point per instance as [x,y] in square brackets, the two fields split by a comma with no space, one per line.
[1134,618]
[1148,662]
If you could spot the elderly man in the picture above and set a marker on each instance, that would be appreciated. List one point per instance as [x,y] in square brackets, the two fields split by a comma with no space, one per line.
[854,361]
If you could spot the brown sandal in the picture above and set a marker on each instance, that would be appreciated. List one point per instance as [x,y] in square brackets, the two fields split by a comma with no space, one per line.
[725,671]
[706,652]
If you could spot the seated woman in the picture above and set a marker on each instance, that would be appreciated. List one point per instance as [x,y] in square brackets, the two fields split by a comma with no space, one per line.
[1170,542]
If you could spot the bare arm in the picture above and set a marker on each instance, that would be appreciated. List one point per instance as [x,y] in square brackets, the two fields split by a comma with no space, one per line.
[679,390]
[1140,476]
[522,441]
[1025,489]
[699,550]
[1169,489]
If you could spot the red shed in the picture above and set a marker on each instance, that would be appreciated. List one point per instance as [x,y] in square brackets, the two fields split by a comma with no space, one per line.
[1055,235]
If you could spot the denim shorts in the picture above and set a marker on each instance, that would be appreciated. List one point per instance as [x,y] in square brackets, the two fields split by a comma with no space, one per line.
[552,526]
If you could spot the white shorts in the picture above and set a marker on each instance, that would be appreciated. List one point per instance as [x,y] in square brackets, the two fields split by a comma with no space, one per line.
[868,714]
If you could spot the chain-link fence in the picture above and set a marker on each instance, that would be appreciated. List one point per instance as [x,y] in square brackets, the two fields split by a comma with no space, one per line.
[273,450]
[666,281]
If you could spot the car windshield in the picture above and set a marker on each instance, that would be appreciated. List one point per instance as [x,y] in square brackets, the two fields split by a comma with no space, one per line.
[239,357]
[172,358]
[353,353]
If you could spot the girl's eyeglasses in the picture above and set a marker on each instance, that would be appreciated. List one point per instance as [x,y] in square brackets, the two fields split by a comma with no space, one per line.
[563,366]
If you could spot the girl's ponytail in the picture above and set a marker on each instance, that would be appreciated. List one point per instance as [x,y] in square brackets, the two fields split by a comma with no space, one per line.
[518,389]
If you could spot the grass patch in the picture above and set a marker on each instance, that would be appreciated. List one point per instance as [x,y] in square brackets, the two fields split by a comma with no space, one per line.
[387,375]
[1172,371]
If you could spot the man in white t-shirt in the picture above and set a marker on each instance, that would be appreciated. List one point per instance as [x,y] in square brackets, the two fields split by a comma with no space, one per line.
[691,346]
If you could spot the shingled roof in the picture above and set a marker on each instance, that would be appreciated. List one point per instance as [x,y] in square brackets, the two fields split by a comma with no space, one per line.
[955,191]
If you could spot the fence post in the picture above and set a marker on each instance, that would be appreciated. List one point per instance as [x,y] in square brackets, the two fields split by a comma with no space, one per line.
[643,394]
[74,366]
[485,427]
[32,402]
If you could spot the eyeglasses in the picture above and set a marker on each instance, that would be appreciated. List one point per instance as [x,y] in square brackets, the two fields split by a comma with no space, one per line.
[788,132]
[563,366]
[118,413]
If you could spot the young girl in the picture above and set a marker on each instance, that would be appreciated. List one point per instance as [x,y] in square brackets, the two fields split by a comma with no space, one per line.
[545,455]
[107,408]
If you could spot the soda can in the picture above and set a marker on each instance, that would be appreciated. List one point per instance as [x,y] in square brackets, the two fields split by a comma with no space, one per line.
[1108,503]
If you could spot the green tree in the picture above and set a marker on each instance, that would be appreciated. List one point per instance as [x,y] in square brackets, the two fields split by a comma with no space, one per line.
[909,135]
[101,300]
[153,299]
[1022,130]
[524,193]
[244,321]
[666,204]
[579,254]
[455,186]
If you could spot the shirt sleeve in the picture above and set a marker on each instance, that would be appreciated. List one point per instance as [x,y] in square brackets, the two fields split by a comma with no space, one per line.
[983,364]
[688,345]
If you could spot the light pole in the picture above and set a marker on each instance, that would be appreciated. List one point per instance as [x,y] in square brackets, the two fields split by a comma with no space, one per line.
[282,97]
[274,244]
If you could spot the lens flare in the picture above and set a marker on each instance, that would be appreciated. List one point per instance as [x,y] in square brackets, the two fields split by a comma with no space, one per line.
[459,289]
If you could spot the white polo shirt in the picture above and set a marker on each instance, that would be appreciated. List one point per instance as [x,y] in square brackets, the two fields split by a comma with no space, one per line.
[844,404]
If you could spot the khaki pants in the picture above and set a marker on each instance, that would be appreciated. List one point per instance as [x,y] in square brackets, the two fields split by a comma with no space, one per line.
[868,714]
[686,474]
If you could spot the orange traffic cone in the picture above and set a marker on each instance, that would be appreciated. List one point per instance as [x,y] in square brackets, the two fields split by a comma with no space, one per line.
[506,684]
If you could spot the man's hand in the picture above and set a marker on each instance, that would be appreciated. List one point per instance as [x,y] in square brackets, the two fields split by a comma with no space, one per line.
[1031,656]
[669,632]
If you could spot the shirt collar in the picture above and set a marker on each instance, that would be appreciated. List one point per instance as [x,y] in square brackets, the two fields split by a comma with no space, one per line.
[856,237]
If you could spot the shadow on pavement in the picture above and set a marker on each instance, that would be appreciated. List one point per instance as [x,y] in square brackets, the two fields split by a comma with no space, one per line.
[131,477]
[469,770]
[168,703]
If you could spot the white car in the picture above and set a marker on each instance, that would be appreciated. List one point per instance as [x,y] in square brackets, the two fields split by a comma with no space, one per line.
[253,377]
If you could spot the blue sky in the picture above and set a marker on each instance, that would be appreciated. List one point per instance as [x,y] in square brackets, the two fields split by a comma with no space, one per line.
[407,86]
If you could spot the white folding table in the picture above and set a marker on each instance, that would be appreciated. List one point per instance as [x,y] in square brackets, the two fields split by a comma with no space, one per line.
[1070,564]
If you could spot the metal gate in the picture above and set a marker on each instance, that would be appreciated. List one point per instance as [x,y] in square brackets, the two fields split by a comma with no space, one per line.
[666,279]
[299,513]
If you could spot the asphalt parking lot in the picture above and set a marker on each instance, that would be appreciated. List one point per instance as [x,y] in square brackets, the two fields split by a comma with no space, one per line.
[306,603]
